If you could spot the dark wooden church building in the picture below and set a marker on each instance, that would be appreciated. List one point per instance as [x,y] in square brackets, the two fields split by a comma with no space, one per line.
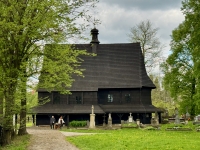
[115,82]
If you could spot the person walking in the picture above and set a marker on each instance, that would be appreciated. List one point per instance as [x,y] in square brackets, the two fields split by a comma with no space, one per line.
[52,122]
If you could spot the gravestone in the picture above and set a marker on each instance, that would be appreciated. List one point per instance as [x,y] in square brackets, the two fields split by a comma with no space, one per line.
[197,120]
[177,119]
[166,113]
[187,117]
[92,118]
[109,121]
[138,120]
[155,120]
[130,118]
[88,123]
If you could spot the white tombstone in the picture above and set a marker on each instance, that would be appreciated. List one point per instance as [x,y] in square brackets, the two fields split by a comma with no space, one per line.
[130,118]
[109,120]
[92,118]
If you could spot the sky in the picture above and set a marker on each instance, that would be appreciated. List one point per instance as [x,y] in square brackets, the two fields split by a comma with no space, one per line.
[118,16]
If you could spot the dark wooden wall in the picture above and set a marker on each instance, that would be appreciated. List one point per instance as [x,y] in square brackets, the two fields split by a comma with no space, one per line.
[146,96]
[125,96]
[119,96]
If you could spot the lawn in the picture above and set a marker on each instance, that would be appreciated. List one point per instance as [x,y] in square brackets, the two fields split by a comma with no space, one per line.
[137,139]
[19,143]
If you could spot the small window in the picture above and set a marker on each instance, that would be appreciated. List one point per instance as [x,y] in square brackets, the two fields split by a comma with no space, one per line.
[56,99]
[110,98]
[78,99]
[128,98]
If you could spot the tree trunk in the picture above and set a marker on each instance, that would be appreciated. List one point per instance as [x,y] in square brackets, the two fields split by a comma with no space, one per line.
[22,129]
[15,124]
[9,112]
[6,140]
[1,117]
[1,108]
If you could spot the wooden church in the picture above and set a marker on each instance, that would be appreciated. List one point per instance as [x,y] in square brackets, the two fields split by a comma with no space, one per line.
[115,82]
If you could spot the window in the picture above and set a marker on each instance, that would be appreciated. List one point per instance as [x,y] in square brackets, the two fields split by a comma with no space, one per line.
[110,98]
[56,99]
[78,100]
[128,98]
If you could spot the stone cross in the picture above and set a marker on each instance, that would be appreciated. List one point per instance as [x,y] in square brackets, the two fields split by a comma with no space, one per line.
[130,114]
[92,109]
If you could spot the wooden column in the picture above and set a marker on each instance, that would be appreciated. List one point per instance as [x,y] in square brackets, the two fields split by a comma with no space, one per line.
[121,97]
[68,121]
[34,119]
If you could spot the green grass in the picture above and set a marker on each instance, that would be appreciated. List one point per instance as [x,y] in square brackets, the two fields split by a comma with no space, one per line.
[29,124]
[19,143]
[138,139]
[87,130]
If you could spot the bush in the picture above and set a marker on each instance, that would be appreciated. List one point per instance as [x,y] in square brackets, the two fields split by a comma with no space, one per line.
[78,123]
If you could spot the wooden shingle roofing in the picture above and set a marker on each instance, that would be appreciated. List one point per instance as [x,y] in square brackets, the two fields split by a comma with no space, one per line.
[98,109]
[115,66]
[130,108]
[69,109]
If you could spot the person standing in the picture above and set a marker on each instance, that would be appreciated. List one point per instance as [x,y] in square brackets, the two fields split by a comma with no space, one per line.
[52,122]
[61,122]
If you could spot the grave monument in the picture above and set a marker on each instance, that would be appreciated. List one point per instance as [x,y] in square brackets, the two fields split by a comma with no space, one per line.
[92,118]
[109,121]
[177,119]
[130,118]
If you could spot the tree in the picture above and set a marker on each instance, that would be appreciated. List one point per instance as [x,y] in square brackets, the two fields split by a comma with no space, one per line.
[146,35]
[191,10]
[181,75]
[25,24]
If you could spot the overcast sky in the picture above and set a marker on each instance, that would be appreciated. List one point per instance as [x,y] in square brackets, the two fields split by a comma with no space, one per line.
[118,16]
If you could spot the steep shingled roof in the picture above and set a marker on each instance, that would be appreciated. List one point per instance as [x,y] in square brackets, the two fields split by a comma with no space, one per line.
[118,65]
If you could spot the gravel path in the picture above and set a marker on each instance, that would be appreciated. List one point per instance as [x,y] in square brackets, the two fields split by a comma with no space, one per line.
[46,139]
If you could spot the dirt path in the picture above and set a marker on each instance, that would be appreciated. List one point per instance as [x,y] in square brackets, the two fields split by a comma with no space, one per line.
[46,139]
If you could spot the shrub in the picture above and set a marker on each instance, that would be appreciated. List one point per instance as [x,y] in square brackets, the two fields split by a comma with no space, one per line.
[78,123]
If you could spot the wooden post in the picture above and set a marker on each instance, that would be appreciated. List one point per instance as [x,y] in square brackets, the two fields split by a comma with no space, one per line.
[68,121]
[121,97]
[33,117]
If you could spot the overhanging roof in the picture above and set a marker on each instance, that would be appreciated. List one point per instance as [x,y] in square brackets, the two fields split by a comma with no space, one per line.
[98,109]
[130,108]
[67,109]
